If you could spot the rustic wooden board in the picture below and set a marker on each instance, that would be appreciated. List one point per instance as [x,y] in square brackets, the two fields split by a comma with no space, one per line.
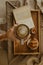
[10,5]
[22,49]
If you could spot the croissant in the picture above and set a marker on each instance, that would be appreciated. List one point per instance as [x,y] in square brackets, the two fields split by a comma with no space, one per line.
[34,44]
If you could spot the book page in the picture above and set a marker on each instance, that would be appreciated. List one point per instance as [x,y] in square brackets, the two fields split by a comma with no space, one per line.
[22,15]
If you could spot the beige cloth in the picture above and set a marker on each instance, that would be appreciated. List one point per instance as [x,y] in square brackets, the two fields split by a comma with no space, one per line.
[31,60]
[41,63]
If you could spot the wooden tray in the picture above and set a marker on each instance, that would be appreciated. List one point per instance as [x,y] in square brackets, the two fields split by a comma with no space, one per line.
[9,18]
[22,49]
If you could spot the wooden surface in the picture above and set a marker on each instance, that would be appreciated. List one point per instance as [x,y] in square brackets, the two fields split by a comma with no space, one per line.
[10,5]
[9,19]
[23,49]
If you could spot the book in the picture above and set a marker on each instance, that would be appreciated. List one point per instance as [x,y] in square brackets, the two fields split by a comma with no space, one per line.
[22,15]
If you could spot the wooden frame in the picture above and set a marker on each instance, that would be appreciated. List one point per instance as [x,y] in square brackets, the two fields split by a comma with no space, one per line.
[36,19]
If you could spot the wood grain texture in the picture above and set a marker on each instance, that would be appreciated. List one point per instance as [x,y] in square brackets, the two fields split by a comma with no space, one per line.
[23,49]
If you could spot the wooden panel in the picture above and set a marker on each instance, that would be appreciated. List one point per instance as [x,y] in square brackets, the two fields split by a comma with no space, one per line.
[10,5]
[3,26]
[23,49]
[35,19]
[41,41]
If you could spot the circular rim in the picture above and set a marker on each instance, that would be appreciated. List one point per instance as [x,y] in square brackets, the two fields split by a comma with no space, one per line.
[18,34]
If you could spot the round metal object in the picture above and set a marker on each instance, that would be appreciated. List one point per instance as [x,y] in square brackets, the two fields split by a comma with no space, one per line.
[22,31]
